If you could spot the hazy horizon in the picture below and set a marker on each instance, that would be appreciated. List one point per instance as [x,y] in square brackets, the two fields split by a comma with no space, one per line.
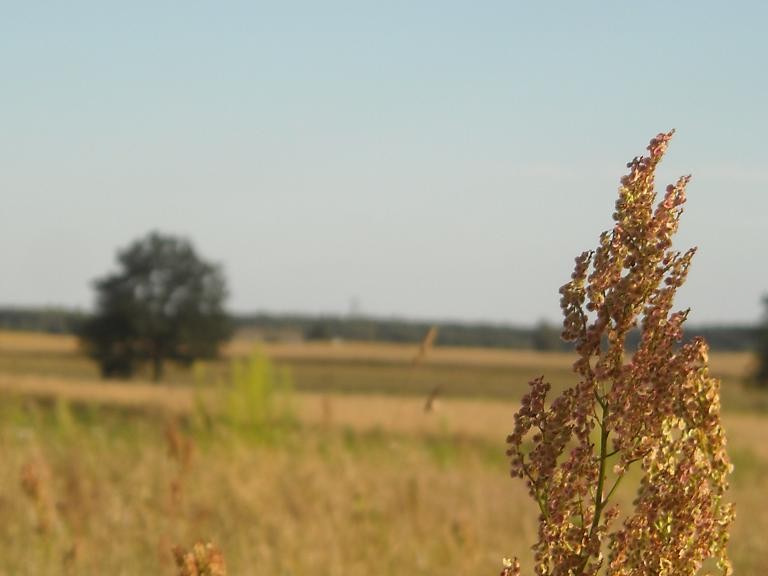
[436,160]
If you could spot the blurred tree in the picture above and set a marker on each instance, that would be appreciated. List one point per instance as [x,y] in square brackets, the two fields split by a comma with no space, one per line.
[545,337]
[165,303]
[762,348]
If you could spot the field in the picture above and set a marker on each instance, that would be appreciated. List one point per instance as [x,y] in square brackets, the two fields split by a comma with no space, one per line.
[349,473]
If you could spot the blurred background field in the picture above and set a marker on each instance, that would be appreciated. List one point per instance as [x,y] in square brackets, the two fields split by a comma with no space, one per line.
[293,458]
[331,182]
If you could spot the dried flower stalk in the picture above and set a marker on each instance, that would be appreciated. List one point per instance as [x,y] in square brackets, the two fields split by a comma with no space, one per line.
[203,559]
[35,482]
[180,450]
[658,410]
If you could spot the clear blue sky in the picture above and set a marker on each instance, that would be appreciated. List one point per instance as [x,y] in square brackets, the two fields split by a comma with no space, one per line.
[429,159]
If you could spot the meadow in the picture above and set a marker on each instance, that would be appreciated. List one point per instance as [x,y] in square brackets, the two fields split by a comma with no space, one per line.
[323,458]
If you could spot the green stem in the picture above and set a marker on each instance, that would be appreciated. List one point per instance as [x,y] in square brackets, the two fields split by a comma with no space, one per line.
[599,501]
[613,489]
[620,477]
[537,494]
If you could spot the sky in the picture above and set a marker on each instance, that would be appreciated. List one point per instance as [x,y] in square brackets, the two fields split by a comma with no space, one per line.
[420,159]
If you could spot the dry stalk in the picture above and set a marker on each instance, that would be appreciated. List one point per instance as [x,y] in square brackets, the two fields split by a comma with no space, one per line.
[203,559]
[180,451]
[35,483]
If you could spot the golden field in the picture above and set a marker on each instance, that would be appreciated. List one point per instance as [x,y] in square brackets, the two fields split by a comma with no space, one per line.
[357,478]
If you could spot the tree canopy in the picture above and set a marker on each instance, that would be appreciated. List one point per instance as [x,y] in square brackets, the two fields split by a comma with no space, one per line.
[164,303]
[762,348]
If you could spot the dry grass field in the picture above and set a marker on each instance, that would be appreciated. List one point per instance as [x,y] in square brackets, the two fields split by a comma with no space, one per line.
[357,478]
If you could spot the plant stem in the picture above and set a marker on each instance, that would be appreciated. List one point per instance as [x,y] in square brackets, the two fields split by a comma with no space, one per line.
[599,502]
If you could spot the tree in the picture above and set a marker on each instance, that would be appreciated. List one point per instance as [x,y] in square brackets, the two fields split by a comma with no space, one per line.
[164,303]
[545,337]
[762,349]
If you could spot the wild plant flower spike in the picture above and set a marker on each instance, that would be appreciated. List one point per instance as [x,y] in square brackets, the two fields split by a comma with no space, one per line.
[657,410]
[203,559]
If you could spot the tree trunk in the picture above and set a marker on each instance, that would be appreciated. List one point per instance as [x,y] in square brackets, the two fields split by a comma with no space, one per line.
[157,368]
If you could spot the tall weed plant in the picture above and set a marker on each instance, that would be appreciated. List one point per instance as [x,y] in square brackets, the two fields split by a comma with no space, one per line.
[656,410]
[256,401]
[260,393]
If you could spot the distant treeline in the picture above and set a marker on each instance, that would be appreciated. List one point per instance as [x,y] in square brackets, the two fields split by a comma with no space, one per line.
[48,319]
[543,336]
[397,330]
[274,327]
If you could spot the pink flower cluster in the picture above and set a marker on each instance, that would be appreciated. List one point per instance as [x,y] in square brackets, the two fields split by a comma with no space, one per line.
[655,409]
